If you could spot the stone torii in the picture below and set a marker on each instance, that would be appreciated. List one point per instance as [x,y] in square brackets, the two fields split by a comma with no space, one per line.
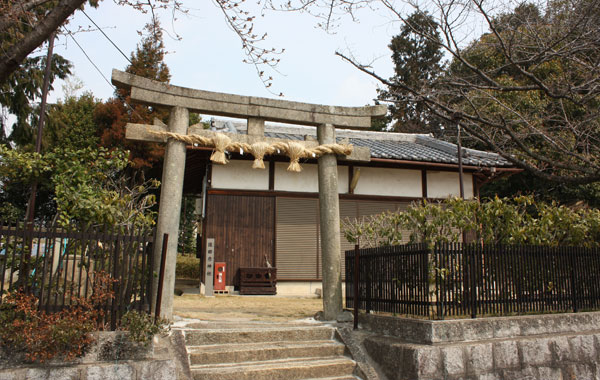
[256,110]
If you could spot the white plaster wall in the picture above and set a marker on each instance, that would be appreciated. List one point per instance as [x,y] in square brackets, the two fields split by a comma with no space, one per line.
[307,180]
[446,184]
[391,182]
[240,175]
[309,289]
[302,288]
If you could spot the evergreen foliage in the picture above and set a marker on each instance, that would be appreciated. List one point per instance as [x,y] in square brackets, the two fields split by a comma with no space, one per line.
[20,92]
[187,227]
[417,58]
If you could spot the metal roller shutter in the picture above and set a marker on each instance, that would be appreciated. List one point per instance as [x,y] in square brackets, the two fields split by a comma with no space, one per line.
[298,235]
[348,209]
[297,221]
[367,208]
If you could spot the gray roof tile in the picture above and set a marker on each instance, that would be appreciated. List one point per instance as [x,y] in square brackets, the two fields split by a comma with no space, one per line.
[427,149]
[397,146]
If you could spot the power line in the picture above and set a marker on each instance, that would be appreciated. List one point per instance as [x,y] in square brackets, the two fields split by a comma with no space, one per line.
[103,76]
[89,59]
[108,38]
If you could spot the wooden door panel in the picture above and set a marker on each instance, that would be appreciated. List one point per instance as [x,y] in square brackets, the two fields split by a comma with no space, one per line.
[243,229]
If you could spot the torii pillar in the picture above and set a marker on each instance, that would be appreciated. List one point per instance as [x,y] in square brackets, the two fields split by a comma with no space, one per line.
[256,110]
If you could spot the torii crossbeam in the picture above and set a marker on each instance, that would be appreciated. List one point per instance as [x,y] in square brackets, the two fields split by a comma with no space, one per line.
[256,110]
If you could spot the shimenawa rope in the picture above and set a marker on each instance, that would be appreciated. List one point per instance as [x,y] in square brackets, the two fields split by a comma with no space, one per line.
[294,150]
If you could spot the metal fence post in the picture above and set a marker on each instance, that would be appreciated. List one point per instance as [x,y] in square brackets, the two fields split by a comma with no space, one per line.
[356,288]
[161,277]
[473,290]
[368,283]
[116,285]
[572,253]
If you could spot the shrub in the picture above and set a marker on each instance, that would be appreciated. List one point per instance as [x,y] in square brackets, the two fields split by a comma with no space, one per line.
[42,336]
[519,220]
[141,326]
[187,267]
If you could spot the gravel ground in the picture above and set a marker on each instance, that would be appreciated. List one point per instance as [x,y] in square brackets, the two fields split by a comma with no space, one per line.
[245,308]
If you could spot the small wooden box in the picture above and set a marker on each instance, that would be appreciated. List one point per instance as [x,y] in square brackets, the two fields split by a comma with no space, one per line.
[258,281]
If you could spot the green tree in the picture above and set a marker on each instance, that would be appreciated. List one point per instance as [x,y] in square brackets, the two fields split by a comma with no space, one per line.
[19,93]
[88,185]
[417,57]
[187,226]
[526,183]
[71,124]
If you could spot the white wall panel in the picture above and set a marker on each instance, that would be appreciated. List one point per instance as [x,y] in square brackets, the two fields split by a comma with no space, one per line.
[446,184]
[240,175]
[390,182]
[307,181]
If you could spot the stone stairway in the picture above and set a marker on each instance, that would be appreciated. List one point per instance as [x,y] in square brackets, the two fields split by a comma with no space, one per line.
[266,351]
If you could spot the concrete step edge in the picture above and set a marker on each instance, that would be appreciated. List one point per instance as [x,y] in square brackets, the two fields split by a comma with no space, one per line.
[233,325]
[255,329]
[202,337]
[237,347]
[265,353]
[272,364]
[349,377]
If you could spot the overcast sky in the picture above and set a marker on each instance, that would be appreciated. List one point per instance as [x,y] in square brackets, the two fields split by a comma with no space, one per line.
[209,54]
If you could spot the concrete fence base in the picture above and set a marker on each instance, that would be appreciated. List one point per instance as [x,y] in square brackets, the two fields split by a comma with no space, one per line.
[557,346]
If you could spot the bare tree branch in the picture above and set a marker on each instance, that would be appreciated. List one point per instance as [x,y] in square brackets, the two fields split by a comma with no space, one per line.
[528,88]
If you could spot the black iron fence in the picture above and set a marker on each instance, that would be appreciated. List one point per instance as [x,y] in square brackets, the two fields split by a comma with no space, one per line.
[472,280]
[60,265]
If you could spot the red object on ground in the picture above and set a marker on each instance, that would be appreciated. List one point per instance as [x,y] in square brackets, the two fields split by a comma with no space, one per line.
[219,276]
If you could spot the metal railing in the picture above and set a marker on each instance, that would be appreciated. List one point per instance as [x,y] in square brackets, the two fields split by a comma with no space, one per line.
[60,265]
[473,280]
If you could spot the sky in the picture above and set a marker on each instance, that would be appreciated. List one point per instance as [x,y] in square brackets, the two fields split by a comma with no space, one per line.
[209,56]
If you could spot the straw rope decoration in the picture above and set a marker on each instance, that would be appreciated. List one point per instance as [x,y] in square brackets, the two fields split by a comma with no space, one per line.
[259,150]
[294,150]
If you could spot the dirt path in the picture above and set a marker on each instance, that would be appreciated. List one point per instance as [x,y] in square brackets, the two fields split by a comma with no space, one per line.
[245,308]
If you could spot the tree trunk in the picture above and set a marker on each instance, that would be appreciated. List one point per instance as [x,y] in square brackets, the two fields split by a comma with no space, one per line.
[15,54]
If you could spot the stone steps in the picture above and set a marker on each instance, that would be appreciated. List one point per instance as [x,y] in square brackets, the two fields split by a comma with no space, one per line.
[333,378]
[266,352]
[290,369]
[196,337]
[247,352]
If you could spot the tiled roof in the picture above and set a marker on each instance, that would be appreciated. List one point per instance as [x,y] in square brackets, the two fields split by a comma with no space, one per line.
[397,146]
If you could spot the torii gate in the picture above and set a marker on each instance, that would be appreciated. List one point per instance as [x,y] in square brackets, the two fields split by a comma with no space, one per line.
[256,110]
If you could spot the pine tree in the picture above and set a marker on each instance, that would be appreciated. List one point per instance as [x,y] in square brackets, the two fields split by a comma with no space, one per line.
[417,61]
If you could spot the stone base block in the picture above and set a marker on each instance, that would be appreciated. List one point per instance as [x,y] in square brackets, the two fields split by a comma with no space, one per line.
[553,355]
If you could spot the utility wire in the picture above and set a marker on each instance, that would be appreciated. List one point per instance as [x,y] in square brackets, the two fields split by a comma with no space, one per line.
[108,38]
[89,59]
[103,76]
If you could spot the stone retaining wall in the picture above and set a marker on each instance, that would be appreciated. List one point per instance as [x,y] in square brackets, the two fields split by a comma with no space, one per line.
[549,347]
[112,357]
